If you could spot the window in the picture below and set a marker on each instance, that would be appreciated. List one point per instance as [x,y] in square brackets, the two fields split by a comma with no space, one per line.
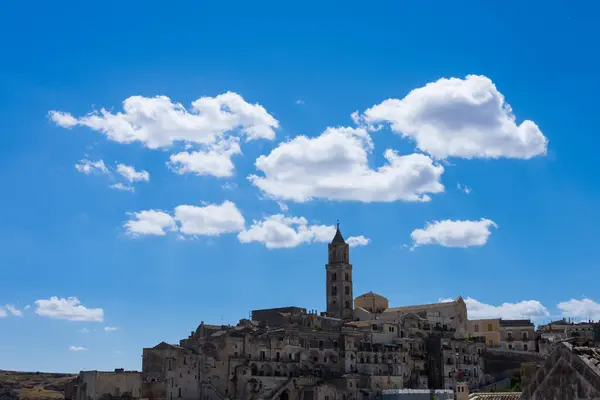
[334,290]
[490,328]
[346,277]
[476,328]
[334,276]
[347,304]
[277,356]
[184,360]
[525,347]
[347,290]
[179,392]
[391,329]
[170,365]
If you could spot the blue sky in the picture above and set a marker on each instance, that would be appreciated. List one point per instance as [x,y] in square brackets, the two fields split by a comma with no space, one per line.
[169,230]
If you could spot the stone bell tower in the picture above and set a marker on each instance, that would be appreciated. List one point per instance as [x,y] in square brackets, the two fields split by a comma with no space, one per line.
[339,278]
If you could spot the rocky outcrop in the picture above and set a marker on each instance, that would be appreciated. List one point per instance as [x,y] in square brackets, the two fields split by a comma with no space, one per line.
[7,393]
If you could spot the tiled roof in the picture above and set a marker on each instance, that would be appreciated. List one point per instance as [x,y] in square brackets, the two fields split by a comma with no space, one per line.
[515,322]
[419,307]
[496,396]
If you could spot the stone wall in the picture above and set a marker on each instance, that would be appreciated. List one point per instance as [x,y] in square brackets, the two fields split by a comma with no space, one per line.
[566,375]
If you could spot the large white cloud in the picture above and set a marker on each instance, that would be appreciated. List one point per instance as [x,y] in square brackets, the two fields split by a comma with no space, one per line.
[449,233]
[465,118]
[279,231]
[69,309]
[335,166]
[527,309]
[215,160]
[583,309]
[207,220]
[150,222]
[157,122]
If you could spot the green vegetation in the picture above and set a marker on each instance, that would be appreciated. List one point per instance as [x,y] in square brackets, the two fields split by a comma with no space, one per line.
[35,385]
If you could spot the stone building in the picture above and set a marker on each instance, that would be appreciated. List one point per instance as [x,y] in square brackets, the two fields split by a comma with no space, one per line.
[517,334]
[343,353]
[488,328]
[100,385]
[562,329]
[463,362]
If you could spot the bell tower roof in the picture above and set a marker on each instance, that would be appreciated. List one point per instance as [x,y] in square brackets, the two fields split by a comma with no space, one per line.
[338,238]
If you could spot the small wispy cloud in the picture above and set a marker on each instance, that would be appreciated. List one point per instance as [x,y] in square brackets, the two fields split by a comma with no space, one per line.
[300,102]
[110,328]
[463,188]
[77,348]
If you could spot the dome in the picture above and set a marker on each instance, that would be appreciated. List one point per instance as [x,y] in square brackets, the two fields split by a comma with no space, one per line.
[371,302]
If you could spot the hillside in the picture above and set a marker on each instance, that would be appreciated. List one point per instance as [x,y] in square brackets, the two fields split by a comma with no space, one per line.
[32,385]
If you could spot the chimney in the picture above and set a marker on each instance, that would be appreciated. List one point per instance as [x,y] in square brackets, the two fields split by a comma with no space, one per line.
[462,391]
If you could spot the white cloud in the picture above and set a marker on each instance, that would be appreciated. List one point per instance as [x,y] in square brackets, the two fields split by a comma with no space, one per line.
[77,348]
[300,102]
[463,188]
[465,118]
[150,222]
[354,241]
[27,307]
[526,309]
[157,122]
[69,309]
[279,231]
[209,220]
[335,166]
[129,173]
[12,310]
[583,309]
[122,187]
[215,160]
[83,330]
[110,328]
[87,167]
[449,233]
[3,313]
[282,206]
